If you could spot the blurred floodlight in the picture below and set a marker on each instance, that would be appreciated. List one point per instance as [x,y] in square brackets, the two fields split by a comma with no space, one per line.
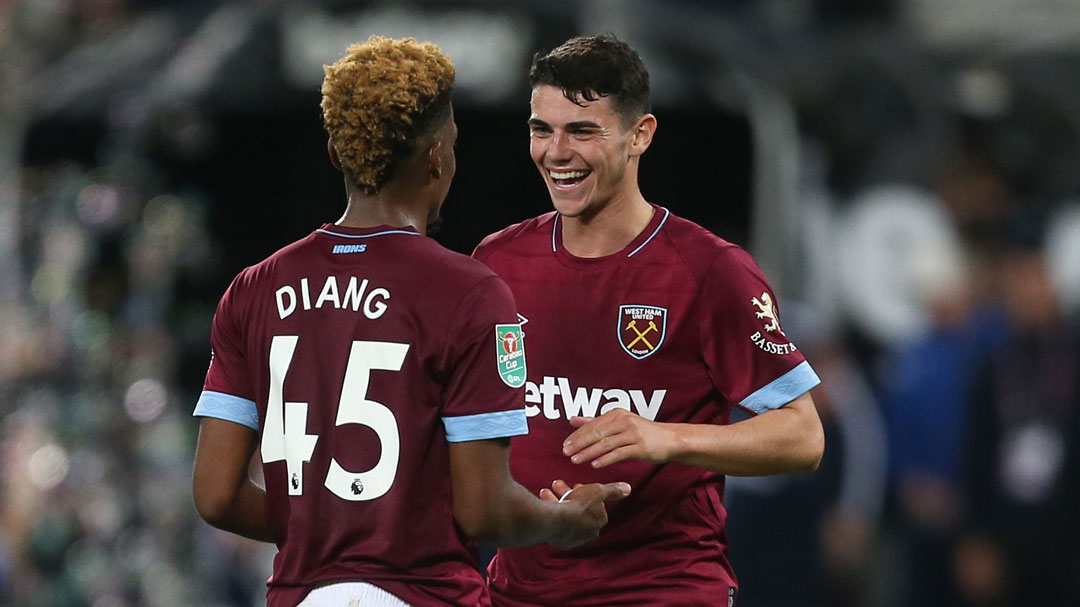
[1033,456]
[48,466]
[488,48]
[98,204]
[67,245]
[996,26]
[49,286]
[898,252]
[90,330]
[145,400]
[1063,255]
[983,93]
[165,216]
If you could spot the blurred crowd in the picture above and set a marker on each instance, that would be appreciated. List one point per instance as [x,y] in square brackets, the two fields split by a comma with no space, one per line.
[952,471]
[96,439]
[940,313]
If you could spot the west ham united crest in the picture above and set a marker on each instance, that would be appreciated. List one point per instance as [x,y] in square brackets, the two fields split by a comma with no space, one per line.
[641,329]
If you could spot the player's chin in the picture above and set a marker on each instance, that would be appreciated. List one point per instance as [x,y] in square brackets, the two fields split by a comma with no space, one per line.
[569,206]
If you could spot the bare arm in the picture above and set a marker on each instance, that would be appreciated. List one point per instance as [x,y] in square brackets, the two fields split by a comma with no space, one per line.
[225,495]
[788,439]
[491,506]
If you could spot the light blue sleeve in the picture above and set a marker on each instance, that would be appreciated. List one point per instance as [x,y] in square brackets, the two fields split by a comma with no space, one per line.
[229,408]
[783,389]
[486,425]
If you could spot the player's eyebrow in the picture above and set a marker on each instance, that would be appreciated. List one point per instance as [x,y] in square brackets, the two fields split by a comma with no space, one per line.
[581,125]
[578,125]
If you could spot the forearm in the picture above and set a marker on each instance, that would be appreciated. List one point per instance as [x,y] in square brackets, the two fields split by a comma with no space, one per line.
[224,493]
[789,439]
[491,507]
[523,520]
[247,514]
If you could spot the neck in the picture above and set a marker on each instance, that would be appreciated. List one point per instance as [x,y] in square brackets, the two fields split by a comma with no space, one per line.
[610,229]
[389,206]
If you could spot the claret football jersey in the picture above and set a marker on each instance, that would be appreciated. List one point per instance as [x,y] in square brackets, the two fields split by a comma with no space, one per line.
[357,354]
[680,326]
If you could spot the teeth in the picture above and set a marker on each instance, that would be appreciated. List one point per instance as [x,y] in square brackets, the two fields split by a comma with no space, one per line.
[568,174]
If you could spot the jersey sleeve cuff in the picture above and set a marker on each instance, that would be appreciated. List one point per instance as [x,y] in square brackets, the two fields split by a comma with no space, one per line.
[783,389]
[229,408]
[482,426]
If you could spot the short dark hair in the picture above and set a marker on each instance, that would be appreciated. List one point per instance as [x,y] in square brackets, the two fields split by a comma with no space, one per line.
[590,67]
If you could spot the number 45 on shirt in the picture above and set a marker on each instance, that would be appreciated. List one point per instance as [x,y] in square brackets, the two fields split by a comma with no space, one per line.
[285,434]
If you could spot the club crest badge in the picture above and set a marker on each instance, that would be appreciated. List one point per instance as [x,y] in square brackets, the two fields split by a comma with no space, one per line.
[510,354]
[641,329]
[770,323]
[767,312]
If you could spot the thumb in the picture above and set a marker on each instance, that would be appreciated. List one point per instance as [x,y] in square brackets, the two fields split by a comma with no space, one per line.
[616,491]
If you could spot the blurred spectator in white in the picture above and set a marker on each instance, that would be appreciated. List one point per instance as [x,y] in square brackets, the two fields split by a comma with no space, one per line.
[910,288]
[1023,474]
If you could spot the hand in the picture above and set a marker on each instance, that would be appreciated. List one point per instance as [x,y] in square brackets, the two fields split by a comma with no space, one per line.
[588,512]
[616,436]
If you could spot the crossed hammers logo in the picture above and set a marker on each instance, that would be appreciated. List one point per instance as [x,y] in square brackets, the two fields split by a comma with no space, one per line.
[641,334]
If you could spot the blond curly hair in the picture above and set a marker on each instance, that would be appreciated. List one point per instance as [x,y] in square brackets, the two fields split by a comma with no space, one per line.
[379,99]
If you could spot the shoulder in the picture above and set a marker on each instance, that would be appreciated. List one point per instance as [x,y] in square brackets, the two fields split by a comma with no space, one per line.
[449,279]
[461,286]
[455,267]
[251,276]
[525,235]
[705,254]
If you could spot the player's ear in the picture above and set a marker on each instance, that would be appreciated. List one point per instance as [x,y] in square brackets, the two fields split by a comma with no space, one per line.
[335,160]
[434,162]
[643,130]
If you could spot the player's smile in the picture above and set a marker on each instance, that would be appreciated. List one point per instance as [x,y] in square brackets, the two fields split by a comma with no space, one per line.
[566,180]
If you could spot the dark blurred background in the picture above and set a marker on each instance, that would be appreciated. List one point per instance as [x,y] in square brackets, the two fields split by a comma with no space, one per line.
[907,172]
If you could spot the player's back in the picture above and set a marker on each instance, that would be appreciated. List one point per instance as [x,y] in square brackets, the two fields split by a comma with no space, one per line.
[359,341]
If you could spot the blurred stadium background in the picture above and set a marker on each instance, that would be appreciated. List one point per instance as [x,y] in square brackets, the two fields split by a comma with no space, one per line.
[906,171]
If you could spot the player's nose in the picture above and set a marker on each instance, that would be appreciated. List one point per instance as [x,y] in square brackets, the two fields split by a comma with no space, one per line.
[560,147]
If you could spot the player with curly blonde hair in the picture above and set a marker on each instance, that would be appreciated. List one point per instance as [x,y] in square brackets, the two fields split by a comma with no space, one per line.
[378,99]
[360,361]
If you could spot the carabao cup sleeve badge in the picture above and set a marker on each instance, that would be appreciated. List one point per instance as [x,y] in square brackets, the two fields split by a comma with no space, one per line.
[510,354]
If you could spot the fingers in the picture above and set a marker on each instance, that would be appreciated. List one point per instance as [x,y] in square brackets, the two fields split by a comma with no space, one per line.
[589,431]
[615,456]
[560,487]
[619,435]
[592,515]
[603,447]
[548,496]
[597,493]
